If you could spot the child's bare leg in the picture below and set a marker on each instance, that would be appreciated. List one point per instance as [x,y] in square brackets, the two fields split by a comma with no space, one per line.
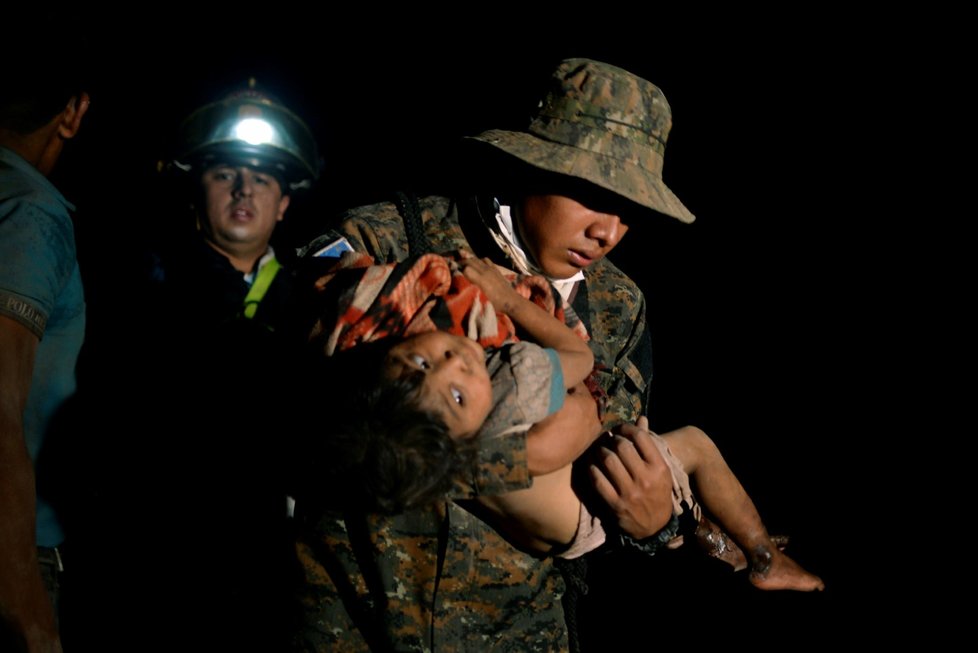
[716,543]
[725,498]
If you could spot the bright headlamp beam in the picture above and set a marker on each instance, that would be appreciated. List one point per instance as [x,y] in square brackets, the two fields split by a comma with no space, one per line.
[254,131]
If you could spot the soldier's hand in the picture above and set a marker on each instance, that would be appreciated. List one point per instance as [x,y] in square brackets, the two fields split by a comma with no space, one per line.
[631,476]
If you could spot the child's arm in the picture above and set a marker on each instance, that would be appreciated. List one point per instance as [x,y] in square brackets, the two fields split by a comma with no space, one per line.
[545,516]
[560,438]
[576,359]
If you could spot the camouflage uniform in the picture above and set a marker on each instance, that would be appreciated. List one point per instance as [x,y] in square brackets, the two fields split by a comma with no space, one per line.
[440,579]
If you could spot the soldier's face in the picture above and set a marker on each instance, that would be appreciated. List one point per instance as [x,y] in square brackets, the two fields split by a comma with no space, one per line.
[456,384]
[564,236]
[242,206]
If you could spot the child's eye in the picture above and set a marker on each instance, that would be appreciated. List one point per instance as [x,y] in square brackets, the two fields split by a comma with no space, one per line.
[458,397]
[419,360]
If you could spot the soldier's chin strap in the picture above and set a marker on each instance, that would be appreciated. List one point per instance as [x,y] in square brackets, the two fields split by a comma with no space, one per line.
[258,289]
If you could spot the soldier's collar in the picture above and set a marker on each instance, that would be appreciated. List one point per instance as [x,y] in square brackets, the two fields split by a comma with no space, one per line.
[508,240]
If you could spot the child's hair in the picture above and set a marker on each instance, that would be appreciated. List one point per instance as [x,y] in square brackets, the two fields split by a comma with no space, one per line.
[376,449]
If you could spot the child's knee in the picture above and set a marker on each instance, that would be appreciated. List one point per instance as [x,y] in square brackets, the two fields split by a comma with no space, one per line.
[693,433]
[695,437]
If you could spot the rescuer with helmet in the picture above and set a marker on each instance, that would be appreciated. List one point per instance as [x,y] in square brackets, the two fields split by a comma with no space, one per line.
[204,394]
[242,159]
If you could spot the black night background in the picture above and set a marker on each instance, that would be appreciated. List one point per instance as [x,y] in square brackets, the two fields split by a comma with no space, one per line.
[759,311]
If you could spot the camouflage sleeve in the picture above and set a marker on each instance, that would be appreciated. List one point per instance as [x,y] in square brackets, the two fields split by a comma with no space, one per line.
[628,391]
[621,343]
[500,467]
[376,230]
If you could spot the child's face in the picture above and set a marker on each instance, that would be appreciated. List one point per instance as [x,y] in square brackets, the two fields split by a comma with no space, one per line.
[456,382]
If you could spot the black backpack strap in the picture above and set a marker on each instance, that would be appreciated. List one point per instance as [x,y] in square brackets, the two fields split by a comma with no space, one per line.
[410,209]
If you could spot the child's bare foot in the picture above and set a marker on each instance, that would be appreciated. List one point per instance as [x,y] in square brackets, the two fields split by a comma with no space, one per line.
[773,570]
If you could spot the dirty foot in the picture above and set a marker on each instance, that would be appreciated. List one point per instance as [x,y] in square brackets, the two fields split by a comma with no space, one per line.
[773,570]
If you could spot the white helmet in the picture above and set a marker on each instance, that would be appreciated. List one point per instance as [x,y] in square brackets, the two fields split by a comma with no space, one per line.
[249,128]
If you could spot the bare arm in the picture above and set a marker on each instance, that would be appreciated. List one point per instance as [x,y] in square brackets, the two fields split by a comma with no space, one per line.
[24,603]
[562,437]
[630,475]
[546,515]
[576,359]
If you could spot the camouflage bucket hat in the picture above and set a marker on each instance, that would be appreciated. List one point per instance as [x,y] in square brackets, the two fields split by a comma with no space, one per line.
[602,124]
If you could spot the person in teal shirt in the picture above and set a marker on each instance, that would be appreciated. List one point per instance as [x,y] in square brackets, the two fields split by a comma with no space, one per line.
[42,326]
